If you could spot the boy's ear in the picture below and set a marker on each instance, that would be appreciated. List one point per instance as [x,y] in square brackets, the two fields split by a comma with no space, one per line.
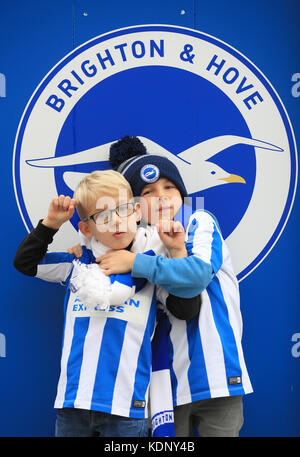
[84,228]
[138,212]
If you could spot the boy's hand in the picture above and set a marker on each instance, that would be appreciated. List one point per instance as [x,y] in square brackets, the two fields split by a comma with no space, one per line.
[172,235]
[61,209]
[116,262]
[76,250]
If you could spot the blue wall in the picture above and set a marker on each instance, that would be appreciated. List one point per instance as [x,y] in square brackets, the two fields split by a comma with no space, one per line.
[34,36]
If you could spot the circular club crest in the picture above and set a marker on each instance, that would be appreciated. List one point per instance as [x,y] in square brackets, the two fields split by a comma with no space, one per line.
[149,173]
[186,95]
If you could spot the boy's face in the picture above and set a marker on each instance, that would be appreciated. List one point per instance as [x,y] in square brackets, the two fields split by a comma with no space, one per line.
[160,200]
[114,221]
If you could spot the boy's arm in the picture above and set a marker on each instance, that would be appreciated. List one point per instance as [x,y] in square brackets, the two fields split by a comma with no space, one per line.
[33,248]
[184,308]
[32,258]
[183,277]
[189,276]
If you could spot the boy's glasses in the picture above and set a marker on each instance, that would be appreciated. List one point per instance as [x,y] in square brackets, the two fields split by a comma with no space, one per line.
[104,217]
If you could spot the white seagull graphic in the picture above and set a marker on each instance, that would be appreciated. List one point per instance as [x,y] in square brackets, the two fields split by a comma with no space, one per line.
[197,171]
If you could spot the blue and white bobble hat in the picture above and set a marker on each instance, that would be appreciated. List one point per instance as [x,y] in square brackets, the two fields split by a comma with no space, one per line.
[129,157]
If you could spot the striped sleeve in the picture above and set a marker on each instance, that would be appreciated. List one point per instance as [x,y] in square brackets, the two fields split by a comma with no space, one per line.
[32,258]
[204,240]
[55,267]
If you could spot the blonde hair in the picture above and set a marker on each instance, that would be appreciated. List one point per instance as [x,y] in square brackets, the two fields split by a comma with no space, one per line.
[107,182]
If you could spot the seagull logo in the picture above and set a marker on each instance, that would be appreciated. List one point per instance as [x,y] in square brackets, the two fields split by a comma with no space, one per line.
[198,157]
[189,97]
[149,173]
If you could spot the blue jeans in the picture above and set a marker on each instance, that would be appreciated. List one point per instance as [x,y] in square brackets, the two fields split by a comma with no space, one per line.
[74,422]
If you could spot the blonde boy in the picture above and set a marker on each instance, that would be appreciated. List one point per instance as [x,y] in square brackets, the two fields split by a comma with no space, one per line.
[106,355]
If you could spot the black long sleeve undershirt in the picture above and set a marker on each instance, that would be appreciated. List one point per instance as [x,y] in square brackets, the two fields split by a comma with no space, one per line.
[32,249]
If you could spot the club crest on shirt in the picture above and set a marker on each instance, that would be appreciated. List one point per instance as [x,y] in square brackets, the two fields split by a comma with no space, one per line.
[188,96]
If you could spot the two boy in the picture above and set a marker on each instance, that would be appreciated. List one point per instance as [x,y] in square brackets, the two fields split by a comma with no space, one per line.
[106,354]
[208,371]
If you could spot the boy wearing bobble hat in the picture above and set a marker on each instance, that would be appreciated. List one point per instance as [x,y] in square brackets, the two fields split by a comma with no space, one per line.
[208,370]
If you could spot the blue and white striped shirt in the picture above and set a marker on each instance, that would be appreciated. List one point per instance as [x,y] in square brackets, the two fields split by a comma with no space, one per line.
[206,352]
[106,358]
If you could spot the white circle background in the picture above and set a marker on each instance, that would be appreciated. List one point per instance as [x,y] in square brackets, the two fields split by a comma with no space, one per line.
[273,169]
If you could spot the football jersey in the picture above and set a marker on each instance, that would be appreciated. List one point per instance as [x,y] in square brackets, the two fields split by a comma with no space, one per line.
[106,354]
[206,352]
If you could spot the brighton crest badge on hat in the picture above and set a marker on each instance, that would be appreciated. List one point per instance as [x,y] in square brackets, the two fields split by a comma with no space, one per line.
[149,173]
